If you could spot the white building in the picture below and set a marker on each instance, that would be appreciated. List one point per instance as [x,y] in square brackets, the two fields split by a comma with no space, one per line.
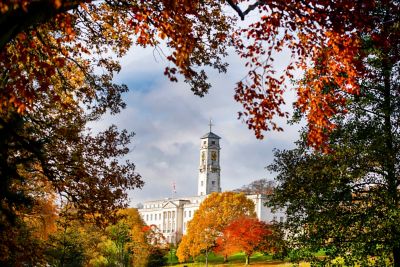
[171,216]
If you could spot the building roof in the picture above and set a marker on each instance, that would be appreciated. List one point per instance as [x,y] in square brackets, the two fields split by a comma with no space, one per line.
[210,135]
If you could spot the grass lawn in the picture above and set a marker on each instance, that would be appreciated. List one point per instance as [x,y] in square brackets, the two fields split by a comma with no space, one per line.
[238,259]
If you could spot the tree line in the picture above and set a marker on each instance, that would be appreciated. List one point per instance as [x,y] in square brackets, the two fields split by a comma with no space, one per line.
[54,240]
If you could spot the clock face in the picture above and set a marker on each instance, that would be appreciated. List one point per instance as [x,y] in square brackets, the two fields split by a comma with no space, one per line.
[214,155]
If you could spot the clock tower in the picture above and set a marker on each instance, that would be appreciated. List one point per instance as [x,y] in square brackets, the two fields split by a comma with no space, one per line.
[209,170]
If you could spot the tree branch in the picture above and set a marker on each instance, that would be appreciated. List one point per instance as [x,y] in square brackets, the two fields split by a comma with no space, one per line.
[247,11]
[37,12]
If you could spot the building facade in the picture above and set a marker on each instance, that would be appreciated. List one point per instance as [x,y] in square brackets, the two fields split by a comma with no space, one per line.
[171,215]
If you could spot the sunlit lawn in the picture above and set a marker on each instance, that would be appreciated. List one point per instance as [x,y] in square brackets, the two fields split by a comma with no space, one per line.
[257,259]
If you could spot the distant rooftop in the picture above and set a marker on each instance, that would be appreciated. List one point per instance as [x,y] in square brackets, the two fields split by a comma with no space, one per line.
[210,135]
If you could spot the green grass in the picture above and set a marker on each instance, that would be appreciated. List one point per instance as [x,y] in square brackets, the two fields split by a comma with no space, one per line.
[258,259]
[172,259]
[320,253]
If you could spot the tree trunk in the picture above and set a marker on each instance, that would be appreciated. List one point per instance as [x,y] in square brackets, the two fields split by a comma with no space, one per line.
[396,255]
[225,258]
[18,20]
[390,155]
[247,259]
[206,258]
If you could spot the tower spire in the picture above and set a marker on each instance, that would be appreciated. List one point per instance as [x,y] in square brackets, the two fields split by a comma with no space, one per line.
[210,124]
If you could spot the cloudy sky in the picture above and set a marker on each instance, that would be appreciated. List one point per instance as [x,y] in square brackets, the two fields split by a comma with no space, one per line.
[169,120]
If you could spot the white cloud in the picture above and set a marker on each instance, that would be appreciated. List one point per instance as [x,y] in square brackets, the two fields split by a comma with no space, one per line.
[169,120]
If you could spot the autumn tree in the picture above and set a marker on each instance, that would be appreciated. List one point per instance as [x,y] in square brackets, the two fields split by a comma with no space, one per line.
[133,243]
[61,39]
[213,215]
[56,77]
[246,234]
[24,239]
[128,240]
[347,201]
[349,53]
[183,251]
[124,243]
[68,246]
[49,140]
[326,40]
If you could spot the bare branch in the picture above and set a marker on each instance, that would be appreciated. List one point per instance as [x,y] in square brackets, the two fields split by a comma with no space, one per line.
[240,12]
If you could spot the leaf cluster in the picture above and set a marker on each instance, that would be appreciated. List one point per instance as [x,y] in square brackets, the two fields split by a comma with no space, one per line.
[324,41]
[209,221]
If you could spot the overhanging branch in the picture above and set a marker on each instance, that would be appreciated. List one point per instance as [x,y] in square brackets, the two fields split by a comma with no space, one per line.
[37,12]
[242,14]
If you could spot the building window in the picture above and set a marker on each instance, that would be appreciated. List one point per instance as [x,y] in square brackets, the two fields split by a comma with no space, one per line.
[213,142]
[204,142]
[173,215]
[147,217]
[151,217]
[213,182]
[185,214]
[201,183]
[159,216]
[190,213]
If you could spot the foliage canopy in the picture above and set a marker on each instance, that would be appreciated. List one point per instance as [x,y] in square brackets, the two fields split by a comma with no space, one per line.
[245,234]
[324,40]
[209,221]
